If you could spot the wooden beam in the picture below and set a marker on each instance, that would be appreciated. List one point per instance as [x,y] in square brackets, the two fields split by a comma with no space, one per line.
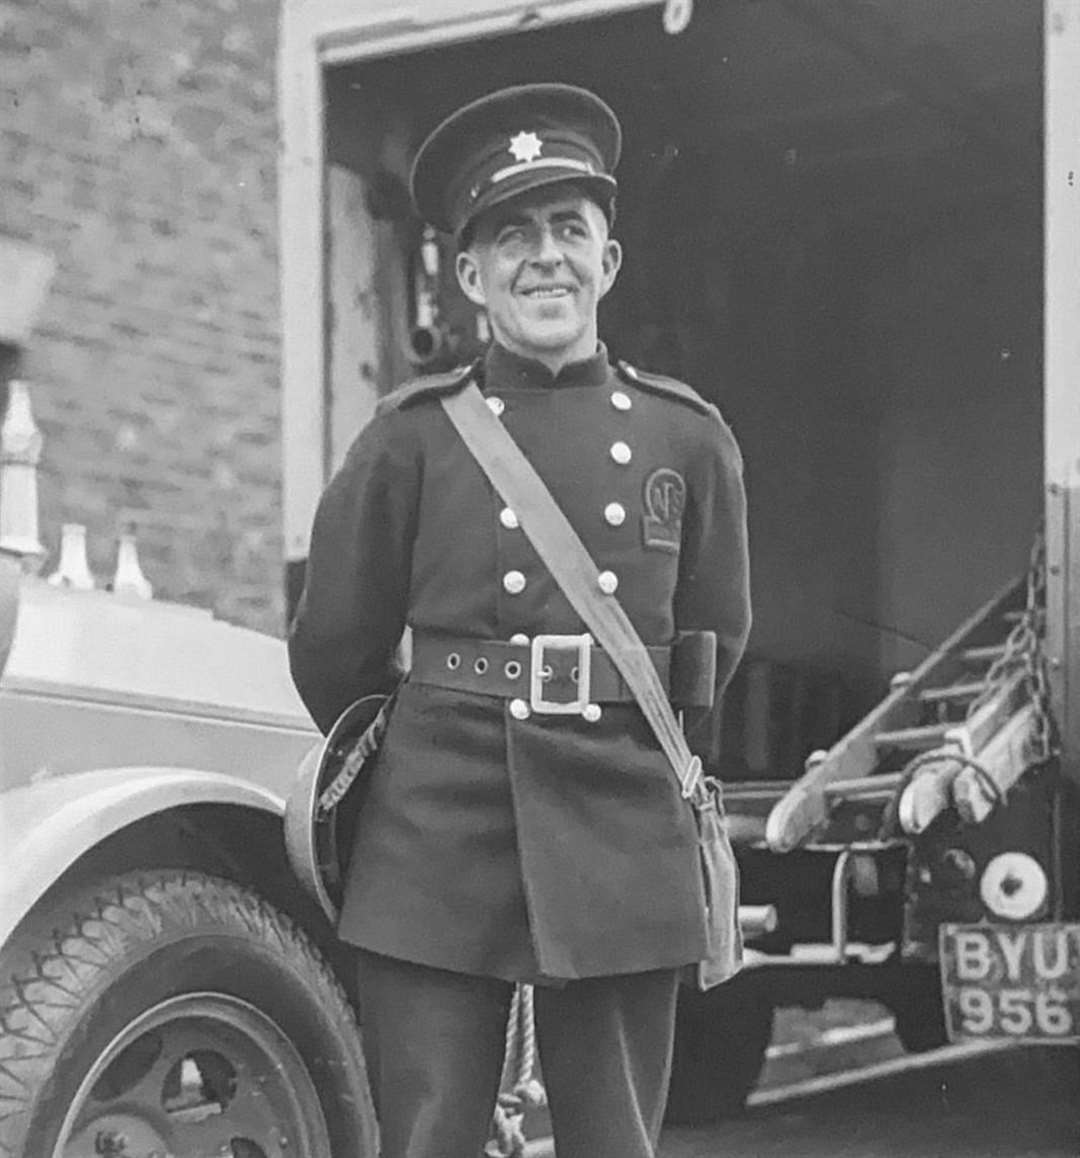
[301,192]
[1062,372]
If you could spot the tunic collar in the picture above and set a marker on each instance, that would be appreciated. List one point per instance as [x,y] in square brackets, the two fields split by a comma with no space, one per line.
[504,370]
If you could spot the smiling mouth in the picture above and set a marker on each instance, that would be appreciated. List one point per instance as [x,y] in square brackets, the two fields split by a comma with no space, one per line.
[548,291]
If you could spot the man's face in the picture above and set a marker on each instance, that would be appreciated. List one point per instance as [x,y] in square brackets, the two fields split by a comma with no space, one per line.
[539,265]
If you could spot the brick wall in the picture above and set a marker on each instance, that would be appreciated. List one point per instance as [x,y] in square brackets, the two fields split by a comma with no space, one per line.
[138,145]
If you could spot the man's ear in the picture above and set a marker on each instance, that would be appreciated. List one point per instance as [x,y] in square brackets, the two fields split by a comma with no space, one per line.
[611,263]
[468,275]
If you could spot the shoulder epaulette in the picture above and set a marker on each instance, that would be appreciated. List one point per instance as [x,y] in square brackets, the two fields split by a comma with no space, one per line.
[660,384]
[430,386]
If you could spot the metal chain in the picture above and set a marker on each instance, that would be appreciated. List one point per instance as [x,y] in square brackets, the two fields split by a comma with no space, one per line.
[1024,649]
[1038,685]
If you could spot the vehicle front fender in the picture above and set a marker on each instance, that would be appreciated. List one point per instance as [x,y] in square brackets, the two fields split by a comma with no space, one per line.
[45,827]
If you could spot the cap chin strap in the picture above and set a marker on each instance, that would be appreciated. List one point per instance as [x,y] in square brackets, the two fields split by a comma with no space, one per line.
[542,163]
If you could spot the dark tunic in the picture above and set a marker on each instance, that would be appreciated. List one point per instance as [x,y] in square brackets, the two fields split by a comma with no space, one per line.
[550,846]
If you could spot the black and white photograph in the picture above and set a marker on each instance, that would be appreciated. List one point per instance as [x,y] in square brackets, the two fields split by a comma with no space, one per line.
[539,578]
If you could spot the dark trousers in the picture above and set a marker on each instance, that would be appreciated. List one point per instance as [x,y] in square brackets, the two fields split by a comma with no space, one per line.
[434,1044]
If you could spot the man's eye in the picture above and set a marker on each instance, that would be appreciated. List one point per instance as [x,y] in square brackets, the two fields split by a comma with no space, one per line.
[573,229]
[511,235]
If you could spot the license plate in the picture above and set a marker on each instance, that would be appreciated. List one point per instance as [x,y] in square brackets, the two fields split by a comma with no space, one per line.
[1011,981]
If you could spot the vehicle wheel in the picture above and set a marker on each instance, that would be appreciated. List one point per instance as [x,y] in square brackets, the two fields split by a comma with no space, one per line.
[918,1011]
[720,1043]
[173,1013]
[920,1030]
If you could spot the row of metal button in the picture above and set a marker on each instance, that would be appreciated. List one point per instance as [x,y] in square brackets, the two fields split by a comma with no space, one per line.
[619,399]
[614,515]
[514,582]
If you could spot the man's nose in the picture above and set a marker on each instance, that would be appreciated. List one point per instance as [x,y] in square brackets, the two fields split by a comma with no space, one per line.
[547,251]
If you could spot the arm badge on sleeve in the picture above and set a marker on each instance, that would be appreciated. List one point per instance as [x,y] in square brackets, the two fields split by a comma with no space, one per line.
[665,502]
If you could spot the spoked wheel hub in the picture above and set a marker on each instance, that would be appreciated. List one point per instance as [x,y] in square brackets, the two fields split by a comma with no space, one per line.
[201,1075]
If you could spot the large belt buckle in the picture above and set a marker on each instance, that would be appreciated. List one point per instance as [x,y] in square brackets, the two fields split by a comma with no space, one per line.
[539,671]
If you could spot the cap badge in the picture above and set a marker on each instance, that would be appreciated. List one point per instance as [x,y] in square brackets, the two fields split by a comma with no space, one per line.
[526,147]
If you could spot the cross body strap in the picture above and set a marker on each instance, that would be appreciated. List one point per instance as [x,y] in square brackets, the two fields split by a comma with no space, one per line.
[571,565]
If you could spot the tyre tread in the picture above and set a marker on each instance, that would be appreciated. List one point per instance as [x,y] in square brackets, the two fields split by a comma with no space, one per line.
[52,966]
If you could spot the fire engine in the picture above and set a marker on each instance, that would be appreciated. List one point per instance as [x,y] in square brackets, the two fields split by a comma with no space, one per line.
[856,228]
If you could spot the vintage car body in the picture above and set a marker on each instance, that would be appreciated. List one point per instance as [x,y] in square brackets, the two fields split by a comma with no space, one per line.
[162,985]
[113,711]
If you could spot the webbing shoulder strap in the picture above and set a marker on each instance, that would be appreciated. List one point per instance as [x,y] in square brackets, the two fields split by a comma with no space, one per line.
[571,565]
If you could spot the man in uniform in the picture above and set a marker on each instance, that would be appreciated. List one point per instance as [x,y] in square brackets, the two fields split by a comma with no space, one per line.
[500,841]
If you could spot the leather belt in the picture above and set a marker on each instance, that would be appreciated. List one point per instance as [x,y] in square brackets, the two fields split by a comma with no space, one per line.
[561,674]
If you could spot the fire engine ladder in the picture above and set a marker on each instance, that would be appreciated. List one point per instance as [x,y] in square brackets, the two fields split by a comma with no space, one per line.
[960,729]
